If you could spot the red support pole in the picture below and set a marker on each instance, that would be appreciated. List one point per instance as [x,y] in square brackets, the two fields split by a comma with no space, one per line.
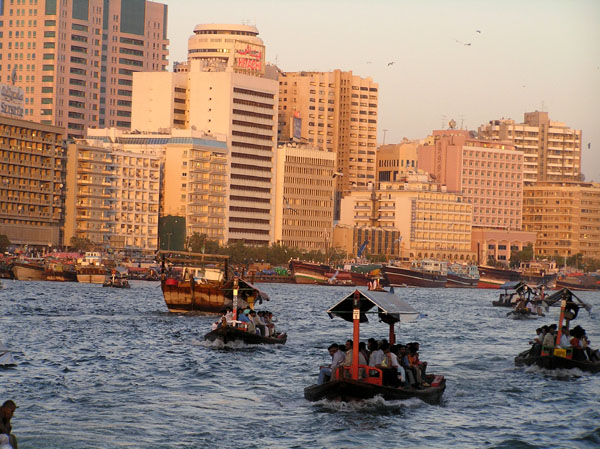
[356,334]
[392,338]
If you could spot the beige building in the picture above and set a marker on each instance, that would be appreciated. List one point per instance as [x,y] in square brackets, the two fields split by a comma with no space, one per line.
[32,168]
[304,197]
[433,223]
[336,112]
[75,60]
[397,160]
[224,88]
[187,169]
[381,242]
[551,150]
[498,244]
[112,196]
[489,175]
[565,216]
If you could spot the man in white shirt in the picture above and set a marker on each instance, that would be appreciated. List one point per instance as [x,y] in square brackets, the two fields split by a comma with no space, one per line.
[376,356]
[564,338]
[337,360]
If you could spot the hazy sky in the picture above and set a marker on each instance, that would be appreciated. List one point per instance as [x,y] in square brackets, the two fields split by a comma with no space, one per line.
[529,55]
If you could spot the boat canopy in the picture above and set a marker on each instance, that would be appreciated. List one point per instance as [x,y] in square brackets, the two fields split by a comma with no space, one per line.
[565,293]
[390,307]
[518,286]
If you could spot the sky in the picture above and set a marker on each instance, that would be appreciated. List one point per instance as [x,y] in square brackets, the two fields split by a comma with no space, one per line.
[524,56]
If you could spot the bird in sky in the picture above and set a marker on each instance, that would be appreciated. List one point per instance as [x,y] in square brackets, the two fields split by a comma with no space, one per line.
[368,62]
[468,44]
[390,63]
[290,208]
[478,31]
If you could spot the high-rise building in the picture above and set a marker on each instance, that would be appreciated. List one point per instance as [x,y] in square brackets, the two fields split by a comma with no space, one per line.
[489,174]
[32,169]
[304,197]
[334,111]
[433,222]
[223,88]
[397,160]
[75,59]
[565,216]
[551,150]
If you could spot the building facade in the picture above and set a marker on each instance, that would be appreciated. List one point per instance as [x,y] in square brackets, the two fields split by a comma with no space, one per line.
[225,88]
[336,112]
[75,59]
[304,197]
[565,216]
[551,150]
[498,244]
[397,160]
[433,223]
[32,168]
[489,174]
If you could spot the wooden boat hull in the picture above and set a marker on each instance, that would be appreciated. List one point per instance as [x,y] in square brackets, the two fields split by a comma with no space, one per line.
[553,362]
[492,277]
[208,298]
[229,334]
[91,278]
[398,276]
[24,272]
[523,315]
[458,281]
[352,390]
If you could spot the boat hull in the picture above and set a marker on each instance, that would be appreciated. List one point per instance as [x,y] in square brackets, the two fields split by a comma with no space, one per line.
[348,390]
[493,278]
[28,272]
[182,297]
[458,281]
[229,334]
[553,362]
[398,276]
[91,278]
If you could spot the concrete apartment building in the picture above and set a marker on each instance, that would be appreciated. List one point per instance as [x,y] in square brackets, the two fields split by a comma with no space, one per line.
[186,167]
[112,196]
[551,150]
[397,160]
[565,216]
[489,174]
[433,222]
[224,88]
[304,197]
[337,112]
[75,59]
[32,169]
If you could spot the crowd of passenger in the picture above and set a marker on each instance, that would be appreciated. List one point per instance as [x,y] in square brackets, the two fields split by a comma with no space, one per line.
[399,364]
[257,322]
[574,339]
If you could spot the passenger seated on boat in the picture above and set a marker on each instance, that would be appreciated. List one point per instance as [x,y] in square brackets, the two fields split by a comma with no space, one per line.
[337,359]
[410,379]
[229,314]
[254,320]
[376,355]
[564,338]
[536,343]
[399,368]
[389,366]
[268,317]
[416,365]
[348,353]
[549,338]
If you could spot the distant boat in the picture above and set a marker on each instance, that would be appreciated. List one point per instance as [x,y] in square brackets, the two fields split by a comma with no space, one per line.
[202,283]
[421,273]
[60,271]
[539,272]
[317,273]
[90,269]
[462,275]
[494,277]
[579,281]
[29,270]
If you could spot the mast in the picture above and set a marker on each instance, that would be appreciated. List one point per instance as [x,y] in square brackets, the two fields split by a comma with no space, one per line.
[356,334]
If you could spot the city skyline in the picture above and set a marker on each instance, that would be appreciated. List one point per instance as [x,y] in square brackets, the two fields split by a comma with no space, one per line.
[521,57]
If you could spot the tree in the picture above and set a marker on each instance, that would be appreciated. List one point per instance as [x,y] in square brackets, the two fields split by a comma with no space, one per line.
[80,244]
[200,243]
[525,255]
[4,243]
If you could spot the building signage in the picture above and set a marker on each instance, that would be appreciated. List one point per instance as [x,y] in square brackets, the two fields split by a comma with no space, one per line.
[297,134]
[249,58]
[11,101]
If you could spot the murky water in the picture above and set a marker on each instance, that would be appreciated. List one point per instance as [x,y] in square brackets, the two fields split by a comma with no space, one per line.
[111,368]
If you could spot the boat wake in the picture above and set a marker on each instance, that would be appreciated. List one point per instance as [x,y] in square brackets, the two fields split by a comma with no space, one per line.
[559,373]
[235,344]
[374,405]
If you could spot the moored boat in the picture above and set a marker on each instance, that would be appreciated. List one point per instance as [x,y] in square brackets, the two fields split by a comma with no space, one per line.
[539,272]
[60,272]
[90,269]
[309,272]
[28,270]
[358,382]
[579,281]
[421,273]
[494,277]
[202,283]
[462,275]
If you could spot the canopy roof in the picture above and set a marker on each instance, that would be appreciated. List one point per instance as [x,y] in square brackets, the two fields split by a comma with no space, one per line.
[565,293]
[518,286]
[390,307]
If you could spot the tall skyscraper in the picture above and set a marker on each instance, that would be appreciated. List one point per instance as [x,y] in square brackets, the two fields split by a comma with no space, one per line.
[224,88]
[335,111]
[551,150]
[75,59]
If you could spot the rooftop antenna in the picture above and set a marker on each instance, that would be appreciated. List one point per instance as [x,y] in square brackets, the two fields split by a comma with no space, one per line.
[384,133]
[462,121]
[444,121]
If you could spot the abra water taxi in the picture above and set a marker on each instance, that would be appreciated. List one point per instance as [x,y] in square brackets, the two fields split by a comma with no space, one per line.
[347,384]
[556,357]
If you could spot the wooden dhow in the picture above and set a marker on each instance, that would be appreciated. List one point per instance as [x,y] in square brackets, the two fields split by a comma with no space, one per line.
[202,283]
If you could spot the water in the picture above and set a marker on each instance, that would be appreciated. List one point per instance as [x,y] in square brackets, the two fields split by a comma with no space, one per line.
[111,368]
